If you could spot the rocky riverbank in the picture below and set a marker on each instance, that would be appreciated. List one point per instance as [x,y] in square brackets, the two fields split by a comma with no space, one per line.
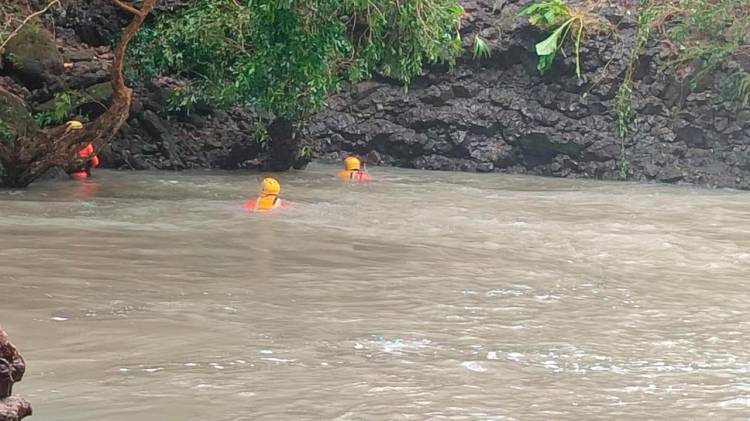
[43,74]
[499,115]
[12,369]
[495,114]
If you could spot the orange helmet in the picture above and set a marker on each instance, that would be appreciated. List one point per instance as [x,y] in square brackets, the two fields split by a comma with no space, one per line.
[352,163]
[270,187]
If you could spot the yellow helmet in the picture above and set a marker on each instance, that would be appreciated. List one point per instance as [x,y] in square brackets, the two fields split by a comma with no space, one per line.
[73,125]
[351,163]
[270,187]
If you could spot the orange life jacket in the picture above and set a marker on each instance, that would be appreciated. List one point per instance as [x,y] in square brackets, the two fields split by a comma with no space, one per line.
[354,175]
[263,204]
[84,171]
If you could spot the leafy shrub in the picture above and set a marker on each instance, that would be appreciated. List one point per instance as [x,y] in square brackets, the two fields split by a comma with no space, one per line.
[481,50]
[62,109]
[288,56]
[565,23]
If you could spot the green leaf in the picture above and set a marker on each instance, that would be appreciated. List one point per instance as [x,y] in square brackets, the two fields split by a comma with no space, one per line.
[481,50]
[530,9]
[545,63]
[456,10]
[551,43]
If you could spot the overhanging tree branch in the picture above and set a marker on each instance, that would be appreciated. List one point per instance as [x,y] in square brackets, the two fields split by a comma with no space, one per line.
[32,155]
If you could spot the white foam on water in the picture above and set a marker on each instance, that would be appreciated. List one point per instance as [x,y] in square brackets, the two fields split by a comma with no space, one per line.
[737,403]
[207,386]
[473,366]
[277,360]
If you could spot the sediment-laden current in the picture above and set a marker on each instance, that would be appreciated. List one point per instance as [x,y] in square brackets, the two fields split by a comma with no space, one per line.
[425,295]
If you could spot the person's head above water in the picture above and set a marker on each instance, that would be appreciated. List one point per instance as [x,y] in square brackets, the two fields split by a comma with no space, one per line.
[353,170]
[270,187]
[268,198]
[352,163]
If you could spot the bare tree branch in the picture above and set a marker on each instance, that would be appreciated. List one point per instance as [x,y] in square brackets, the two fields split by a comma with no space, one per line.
[127,8]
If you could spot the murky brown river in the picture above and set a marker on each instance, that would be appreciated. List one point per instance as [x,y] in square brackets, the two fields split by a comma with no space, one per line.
[152,296]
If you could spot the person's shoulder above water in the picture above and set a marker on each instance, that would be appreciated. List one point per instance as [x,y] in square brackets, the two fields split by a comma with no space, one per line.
[268,199]
[354,170]
[258,205]
[86,159]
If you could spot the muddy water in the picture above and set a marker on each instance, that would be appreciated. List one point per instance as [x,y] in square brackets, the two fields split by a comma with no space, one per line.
[151,296]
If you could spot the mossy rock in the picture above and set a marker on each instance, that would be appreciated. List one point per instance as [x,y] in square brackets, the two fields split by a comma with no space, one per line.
[91,102]
[95,99]
[101,93]
[32,55]
[15,113]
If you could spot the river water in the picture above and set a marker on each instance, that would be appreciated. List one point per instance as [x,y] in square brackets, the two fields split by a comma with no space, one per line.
[426,295]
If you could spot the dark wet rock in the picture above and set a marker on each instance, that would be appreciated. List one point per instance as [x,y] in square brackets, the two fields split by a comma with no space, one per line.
[154,125]
[241,155]
[95,100]
[500,115]
[85,74]
[15,112]
[12,369]
[55,173]
[694,137]
[91,102]
[284,144]
[84,54]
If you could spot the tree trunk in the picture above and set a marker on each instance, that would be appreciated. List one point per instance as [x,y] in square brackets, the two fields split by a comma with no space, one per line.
[29,156]
[12,368]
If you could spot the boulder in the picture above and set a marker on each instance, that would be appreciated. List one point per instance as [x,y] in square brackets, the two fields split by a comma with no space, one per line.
[12,369]
[15,113]
[33,57]
[95,99]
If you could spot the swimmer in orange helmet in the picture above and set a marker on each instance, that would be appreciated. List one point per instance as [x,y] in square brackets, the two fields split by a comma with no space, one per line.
[87,159]
[353,170]
[268,199]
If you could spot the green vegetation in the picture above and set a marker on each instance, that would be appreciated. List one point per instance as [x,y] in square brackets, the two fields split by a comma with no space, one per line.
[565,22]
[709,31]
[737,88]
[287,56]
[9,19]
[705,36]
[61,110]
[623,100]
[7,137]
[481,50]
[6,133]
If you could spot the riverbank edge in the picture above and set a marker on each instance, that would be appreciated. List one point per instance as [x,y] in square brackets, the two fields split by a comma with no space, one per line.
[495,114]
